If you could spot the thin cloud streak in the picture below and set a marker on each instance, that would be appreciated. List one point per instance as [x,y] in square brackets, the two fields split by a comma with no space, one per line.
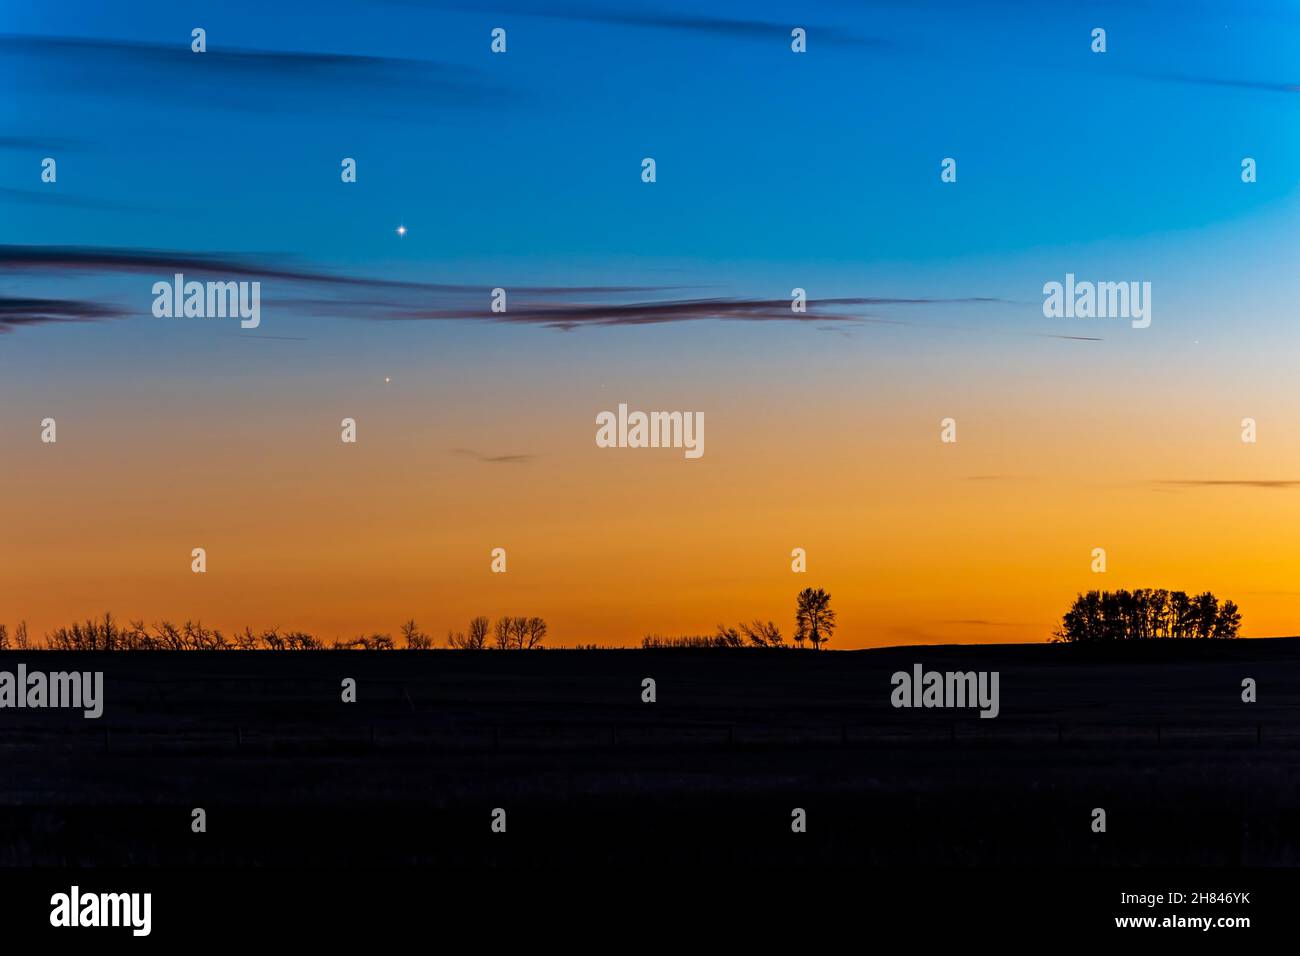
[264,81]
[494,459]
[735,28]
[1192,79]
[51,197]
[89,259]
[1231,483]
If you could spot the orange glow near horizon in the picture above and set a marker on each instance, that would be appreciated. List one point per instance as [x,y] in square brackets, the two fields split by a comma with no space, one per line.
[986,540]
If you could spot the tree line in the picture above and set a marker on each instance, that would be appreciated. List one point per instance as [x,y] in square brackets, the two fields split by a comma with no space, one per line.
[814,622]
[1147,614]
[814,625]
[107,634]
[507,634]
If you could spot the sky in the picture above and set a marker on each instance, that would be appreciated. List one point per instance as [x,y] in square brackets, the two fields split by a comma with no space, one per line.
[522,170]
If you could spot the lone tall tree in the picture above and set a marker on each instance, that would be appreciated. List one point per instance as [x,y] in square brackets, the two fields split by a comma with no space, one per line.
[813,617]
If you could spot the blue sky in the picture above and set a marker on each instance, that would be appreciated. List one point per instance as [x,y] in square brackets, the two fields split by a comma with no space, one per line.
[827,162]
[775,170]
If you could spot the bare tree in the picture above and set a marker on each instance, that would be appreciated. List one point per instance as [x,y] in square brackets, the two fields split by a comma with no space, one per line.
[416,640]
[137,636]
[478,632]
[534,633]
[728,637]
[503,632]
[4,638]
[247,641]
[475,640]
[21,642]
[762,635]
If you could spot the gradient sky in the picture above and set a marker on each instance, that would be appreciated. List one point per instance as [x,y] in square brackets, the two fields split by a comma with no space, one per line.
[522,170]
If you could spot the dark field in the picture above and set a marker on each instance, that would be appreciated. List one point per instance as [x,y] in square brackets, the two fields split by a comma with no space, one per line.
[587,773]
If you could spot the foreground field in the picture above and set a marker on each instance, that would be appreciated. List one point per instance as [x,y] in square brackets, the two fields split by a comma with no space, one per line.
[287,773]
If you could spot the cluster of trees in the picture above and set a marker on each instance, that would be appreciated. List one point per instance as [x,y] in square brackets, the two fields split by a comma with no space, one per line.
[1147,614]
[814,622]
[507,634]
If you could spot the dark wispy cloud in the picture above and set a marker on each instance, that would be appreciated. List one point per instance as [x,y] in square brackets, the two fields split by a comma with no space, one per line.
[17,313]
[316,293]
[255,80]
[567,316]
[494,459]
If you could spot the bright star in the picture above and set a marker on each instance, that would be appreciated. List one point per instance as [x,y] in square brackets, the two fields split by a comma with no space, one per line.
[401,230]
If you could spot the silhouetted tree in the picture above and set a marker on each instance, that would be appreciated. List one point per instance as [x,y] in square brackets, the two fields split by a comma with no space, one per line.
[762,635]
[728,637]
[813,617]
[475,640]
[534,633]
[1228,621]
[416,640]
